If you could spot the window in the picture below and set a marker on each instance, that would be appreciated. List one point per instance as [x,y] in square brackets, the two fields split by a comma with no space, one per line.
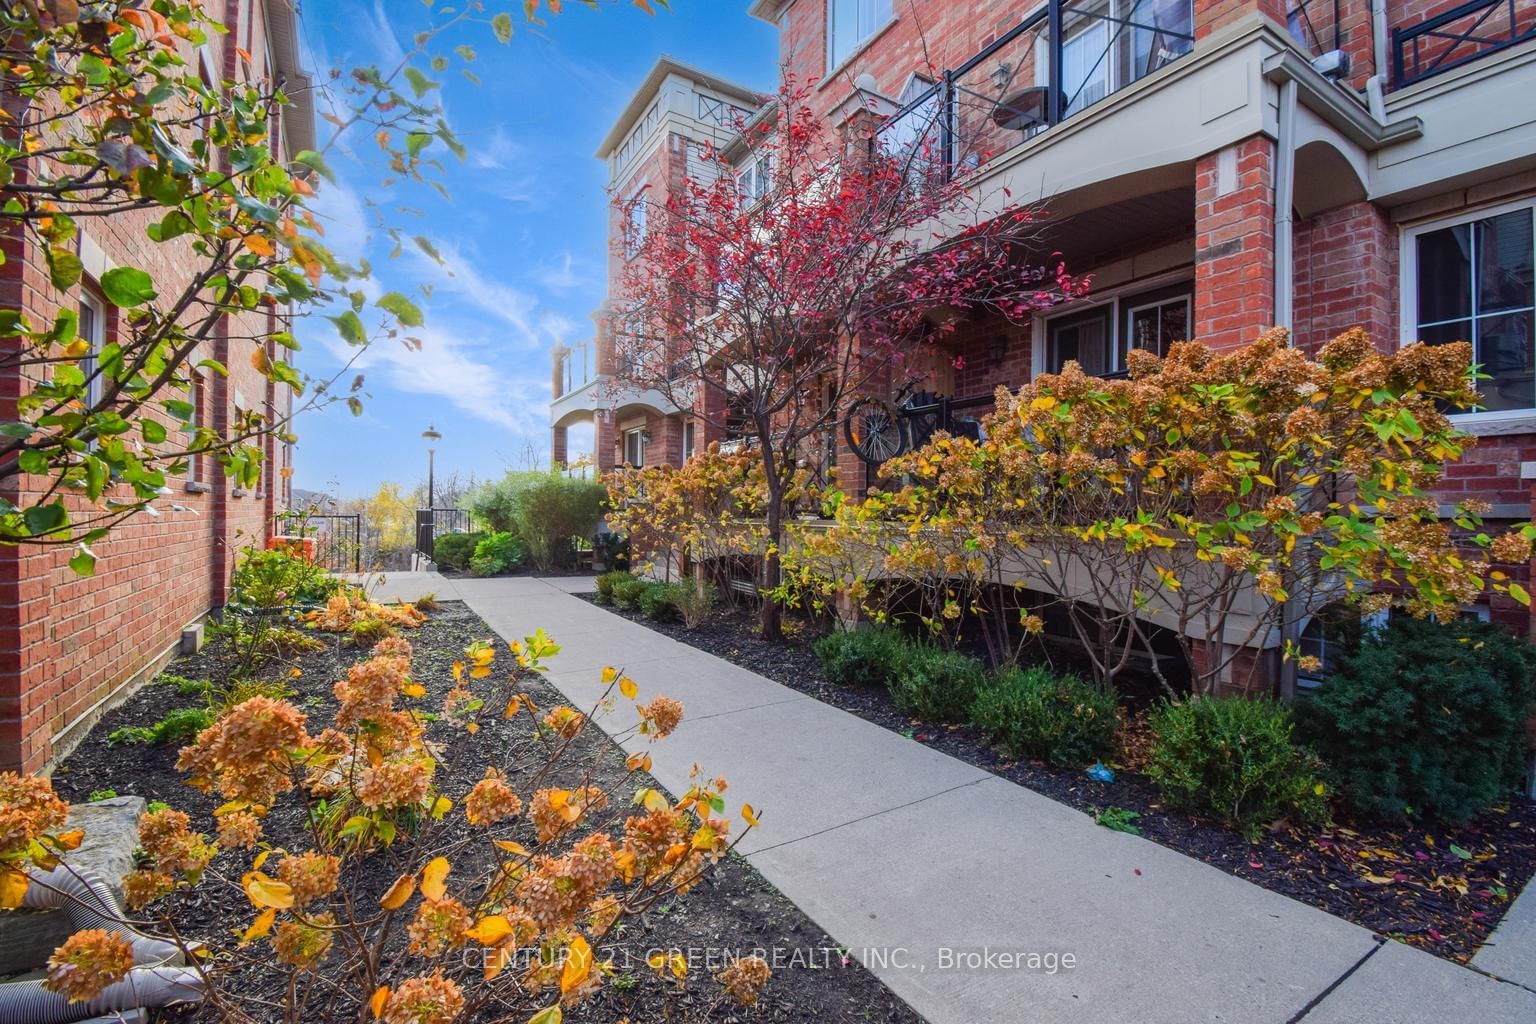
[754,180]
[1154,321]
[634,223]
[849,23]
[195,398]
[1472,281]
[634,447]
[688,440]
[1329,634]
[1083,337]
[93,331]
[1098,339]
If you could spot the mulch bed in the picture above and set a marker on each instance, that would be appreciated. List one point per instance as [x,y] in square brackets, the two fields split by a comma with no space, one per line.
[1441,889]
[734,911]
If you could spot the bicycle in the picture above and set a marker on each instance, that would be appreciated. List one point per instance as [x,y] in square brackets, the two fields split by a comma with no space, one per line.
[880,430]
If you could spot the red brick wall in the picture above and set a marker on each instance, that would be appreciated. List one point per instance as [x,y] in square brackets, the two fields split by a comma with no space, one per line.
[68,642]
[1345,276]
[1234,245]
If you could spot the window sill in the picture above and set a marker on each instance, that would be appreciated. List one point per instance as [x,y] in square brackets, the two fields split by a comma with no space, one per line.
[238,492]
[1496,424]
[858,51]
[197,487]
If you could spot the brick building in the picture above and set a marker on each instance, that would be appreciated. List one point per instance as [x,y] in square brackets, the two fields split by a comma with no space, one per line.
[72,646]
[1218,166]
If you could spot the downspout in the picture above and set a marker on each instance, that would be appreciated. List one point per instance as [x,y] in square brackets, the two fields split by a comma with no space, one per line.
[1376,85]
[1284,283]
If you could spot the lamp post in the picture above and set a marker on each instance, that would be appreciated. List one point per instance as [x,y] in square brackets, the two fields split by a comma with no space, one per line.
[432,437]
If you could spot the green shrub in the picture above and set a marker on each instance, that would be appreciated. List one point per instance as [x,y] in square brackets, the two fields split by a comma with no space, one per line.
[275,578]
[547,509]
[101,794]
[1232,758]
[184,687]
[497,553]
[454,550]
[694,600]
[605,584]
[178,726]
[626,593]
[935,685]
[367,632]
[657,601]
[221,699]
[861,657]
[1425,720]
[1037,713]
[554,510]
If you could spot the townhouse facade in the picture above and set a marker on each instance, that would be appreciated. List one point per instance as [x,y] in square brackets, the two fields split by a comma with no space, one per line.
[73,646]
[1219,167]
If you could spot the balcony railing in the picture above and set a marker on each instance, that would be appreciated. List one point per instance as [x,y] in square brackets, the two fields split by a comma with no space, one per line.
[578,367]
[1056,63]
[1459,36]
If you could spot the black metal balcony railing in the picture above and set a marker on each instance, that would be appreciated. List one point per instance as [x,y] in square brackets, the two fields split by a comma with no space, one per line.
[1056,63]
[1458,36]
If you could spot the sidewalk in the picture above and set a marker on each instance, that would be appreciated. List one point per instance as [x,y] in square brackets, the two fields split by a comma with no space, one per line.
[927,868]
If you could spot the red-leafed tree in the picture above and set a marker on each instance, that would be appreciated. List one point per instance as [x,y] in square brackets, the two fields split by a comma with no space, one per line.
[777,298]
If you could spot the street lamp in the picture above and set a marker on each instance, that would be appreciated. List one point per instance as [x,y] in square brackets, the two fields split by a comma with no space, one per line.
[432,437]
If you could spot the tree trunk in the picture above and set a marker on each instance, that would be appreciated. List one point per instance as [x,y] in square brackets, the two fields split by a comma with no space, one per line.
[770,615]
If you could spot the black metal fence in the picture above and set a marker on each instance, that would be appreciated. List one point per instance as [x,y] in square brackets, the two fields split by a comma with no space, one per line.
[432,523]
[1458,36]
[333,541]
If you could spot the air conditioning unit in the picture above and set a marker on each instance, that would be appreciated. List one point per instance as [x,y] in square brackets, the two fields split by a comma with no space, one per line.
[1332,65]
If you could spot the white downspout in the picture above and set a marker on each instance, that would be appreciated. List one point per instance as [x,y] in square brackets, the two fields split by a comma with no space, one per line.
[1285,194]
[1375,86]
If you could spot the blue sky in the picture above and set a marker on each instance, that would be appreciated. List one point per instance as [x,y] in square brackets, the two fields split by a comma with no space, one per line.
[524,234]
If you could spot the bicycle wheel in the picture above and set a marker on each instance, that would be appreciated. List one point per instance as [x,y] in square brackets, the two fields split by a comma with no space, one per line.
[873,431]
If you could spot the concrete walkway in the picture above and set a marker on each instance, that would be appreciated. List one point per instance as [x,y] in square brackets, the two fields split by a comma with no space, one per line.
[933,872]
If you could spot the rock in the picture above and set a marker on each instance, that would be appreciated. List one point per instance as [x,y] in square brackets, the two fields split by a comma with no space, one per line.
[111,835]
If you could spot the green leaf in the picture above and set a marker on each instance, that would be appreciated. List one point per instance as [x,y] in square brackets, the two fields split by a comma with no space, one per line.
[420,83]
[127,286]
[425,245]
[64,268]
[83,562]
[153,430]
[502,26]
[45,519]
[180,409]
[1520,594]
[309,158]
[403,309]
[19,431]
[350,327]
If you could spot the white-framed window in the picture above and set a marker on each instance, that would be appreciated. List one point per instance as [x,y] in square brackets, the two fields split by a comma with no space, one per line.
[1099,336]
[196,396]
[849,23]
[1327,636]
[755,178]
[93,331]
[1471,278]
[634,222]
[690,436]
[634,447]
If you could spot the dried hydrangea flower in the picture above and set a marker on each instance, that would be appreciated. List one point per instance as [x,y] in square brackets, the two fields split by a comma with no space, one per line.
[88,962]
[744,978]
[431,1000]
[310,875]
[491,800]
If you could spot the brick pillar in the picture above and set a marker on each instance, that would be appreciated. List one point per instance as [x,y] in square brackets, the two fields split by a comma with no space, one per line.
[1234,243]
[559,453]
[1346,274]
[604,438]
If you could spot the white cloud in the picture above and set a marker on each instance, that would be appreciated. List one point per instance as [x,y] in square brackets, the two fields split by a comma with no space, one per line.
[497,153]
[561,276]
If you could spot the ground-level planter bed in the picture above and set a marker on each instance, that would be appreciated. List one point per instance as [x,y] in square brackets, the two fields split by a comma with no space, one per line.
[1441,889]
[733,912]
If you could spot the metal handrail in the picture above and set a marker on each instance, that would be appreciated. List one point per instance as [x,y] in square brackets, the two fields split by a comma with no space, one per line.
[1432,28]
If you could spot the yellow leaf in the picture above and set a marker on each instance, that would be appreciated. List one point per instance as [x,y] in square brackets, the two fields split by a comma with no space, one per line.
[440,807]
[414,690]
[398,893]
[548,1015]
[77,348]
[678,965]
[639,762]
[578,964]
[510,847]
[13,888]
[432,878]
[259,361]
[261,858]
[259,927]
[609,674]
[70,840]
[1380,879]
[628,688]
[749,815]
[376,1004]
[265,891]
[479,672]
[472,728]
[514,706]
[260,245]
[655,800]
[490,930]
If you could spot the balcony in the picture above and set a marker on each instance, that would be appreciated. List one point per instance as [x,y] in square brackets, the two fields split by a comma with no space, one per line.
[1459,36]
[1053,65]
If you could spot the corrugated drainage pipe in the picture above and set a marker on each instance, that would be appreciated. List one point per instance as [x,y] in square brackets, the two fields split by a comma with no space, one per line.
[89,902]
